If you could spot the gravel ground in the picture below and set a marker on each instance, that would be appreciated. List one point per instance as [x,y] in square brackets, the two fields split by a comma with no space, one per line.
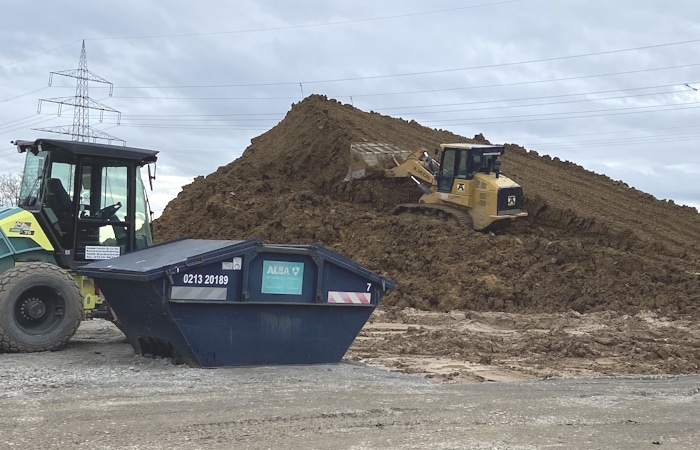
[98,394]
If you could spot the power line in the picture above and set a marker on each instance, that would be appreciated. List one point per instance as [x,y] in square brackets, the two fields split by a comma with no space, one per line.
[600,133]
[578,112]
[16,121]
[480,121]
[543,97]
[574,145]
[196,123]
[428,72]
[632,140]
[194,127]
[312,25]
[530,105]
[38,54]
[23,95]
[195,117]
[258,30]
[520,83]
[222,125]
[559,116]
[295,98]
[424,91]
[277,114]
[28,124]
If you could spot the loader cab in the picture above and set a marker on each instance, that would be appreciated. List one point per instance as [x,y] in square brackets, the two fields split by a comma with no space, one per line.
[464,161]
[89,198]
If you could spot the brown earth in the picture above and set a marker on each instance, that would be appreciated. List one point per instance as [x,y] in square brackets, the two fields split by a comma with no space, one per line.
[467,346]
[590,246]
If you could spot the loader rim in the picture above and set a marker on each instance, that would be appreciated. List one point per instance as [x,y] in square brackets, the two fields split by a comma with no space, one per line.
[39,310]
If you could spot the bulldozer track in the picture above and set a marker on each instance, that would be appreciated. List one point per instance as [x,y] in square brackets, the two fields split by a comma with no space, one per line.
[461,215]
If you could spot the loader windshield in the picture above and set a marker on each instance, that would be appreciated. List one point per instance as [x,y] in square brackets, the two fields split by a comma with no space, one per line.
[448,168]
[464,163]
[31,180]
[47,189]
[484,161]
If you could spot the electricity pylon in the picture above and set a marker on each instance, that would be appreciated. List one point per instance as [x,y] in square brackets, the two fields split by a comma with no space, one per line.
[82,104]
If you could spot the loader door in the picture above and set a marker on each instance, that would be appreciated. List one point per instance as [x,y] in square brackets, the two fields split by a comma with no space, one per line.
[103,228]
[455,164]
[48,191]
[113,213]
[448,169]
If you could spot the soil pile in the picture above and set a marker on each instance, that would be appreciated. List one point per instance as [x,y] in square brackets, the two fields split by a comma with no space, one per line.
[589,244]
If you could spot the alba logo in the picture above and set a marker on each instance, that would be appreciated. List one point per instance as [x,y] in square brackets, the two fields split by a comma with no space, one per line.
[282,270]
[282,277]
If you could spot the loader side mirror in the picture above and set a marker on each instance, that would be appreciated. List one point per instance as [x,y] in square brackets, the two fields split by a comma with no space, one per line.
[151,177]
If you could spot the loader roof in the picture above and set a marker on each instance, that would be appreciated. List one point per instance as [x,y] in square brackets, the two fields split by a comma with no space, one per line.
[142,155]
[468,145]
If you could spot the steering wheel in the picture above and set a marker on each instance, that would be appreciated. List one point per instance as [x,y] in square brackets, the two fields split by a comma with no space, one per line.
[108,211]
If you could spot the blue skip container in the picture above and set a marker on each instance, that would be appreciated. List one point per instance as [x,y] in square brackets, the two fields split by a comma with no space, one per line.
[212,303]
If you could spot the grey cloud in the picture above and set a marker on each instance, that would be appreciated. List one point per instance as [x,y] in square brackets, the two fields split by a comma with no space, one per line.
[528,30]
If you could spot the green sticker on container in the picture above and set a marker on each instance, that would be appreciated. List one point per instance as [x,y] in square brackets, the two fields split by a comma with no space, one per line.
[282,277]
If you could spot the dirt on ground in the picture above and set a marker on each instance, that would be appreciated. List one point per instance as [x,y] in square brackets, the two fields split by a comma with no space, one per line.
[97,394]
[600,278]
[470,346]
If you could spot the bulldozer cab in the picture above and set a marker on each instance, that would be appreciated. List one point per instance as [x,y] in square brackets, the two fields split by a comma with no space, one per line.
[464,161]
[88,198]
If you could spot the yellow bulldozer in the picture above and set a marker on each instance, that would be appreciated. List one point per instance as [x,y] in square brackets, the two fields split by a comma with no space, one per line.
[467,183]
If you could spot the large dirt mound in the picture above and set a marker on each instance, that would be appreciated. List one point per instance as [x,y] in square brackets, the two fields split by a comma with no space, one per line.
[589,244]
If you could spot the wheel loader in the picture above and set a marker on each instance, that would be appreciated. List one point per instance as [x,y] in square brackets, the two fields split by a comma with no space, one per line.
[79,202]
[467,183]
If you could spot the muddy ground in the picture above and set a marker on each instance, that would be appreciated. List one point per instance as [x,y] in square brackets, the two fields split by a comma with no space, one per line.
[575,328]
[589,243]
[97,394]
[461,346]
[599,279]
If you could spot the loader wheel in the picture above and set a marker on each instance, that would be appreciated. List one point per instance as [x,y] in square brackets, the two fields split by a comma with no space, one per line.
[40,308]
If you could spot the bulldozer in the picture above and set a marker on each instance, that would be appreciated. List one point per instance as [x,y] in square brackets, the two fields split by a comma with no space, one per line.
[467,183]
[79,202]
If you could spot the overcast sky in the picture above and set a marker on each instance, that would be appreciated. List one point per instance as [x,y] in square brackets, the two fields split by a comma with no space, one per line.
[607,84]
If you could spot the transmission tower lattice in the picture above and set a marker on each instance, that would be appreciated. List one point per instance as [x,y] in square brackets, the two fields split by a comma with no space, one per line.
[82,104]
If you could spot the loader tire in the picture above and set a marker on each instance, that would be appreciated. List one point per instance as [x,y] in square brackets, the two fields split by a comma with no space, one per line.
[40,308]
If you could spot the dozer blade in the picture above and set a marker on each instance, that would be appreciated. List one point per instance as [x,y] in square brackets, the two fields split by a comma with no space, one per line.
[372,159]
